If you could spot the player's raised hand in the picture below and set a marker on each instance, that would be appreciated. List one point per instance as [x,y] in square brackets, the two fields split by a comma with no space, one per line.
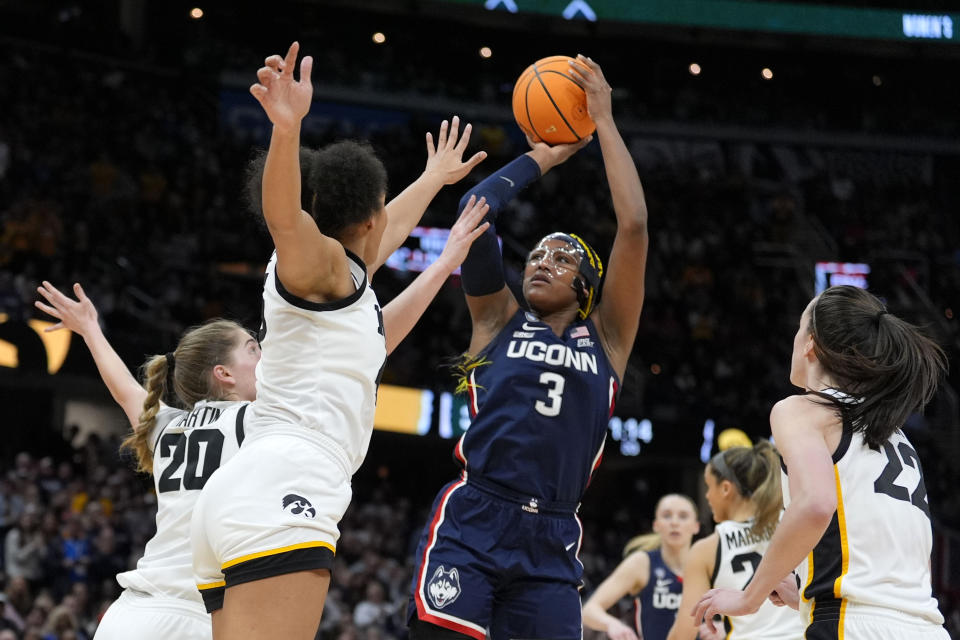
[462,234]
[548,157]
[79,316]
[588,75]
[445,158]
[285,100]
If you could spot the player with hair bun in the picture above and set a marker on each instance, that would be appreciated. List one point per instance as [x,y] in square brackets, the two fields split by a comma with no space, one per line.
[499,552]
[265,530]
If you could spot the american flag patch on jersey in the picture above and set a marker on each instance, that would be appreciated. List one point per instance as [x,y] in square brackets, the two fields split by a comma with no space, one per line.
[580,332]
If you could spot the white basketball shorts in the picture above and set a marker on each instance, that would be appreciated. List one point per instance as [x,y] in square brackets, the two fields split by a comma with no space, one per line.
[146,617]
[272,509]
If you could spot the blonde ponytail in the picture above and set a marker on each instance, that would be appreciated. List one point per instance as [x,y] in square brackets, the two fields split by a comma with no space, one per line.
[755,473]
[156,372]
[643,542]
[764,475]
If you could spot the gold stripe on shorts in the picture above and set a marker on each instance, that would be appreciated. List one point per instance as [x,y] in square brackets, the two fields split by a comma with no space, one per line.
[273,552]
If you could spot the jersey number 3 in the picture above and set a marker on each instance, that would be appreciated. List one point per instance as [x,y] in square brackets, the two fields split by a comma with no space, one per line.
[554,382]
[885,483]
[199,466]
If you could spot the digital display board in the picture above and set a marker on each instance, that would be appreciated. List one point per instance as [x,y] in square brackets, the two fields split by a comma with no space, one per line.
[744,15]
[829,274]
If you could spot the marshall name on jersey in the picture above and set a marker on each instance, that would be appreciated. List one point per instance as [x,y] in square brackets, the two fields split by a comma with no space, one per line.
[540,409]
[189,446]
[739,552]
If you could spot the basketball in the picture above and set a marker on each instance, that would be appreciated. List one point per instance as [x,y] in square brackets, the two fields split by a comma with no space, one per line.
[549,105]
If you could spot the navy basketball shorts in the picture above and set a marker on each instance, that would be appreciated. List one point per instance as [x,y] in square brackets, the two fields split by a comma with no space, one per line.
[504,564]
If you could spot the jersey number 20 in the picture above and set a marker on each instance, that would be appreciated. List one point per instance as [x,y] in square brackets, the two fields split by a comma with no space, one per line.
[199,467]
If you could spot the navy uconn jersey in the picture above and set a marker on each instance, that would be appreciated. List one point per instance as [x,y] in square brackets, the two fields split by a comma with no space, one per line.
[657,603]
[540,409]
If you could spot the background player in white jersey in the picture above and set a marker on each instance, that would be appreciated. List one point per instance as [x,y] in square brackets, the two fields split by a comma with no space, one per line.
[265,529]
[213,373]
[743,490]
[654,575]
[857,523]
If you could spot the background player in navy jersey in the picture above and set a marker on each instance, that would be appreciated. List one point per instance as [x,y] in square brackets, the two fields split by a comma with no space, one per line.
[500,550]
[654,576]
[212,371]
[743,491]
[857,524]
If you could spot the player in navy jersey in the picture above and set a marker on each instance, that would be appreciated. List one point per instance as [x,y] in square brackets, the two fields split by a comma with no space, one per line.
[857,524]
[653,575]
[499,553]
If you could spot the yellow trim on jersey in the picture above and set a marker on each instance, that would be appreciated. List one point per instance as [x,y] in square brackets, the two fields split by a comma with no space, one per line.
[211,585]
[273,552]
[844,550]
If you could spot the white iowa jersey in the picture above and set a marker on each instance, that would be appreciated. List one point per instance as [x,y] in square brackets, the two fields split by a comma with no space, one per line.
[739,552]
[321,363]
[188,446]
[876,550]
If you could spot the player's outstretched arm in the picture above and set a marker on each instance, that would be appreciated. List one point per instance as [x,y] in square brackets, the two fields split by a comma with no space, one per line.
[799,426]
[309,264]
[623,289]
[403,312]
[696,581]
[630,576]
[80,316]
[445,166]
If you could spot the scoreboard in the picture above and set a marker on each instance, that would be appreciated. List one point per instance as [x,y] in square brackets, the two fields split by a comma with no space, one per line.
[748,15]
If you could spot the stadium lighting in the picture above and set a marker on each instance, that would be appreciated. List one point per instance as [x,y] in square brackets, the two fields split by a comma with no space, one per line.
[196,13]
[485,52]
[767,73]
[694,69]
[379,37]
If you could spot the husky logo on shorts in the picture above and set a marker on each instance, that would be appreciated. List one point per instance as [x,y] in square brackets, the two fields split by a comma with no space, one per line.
[444,587]
[298,505]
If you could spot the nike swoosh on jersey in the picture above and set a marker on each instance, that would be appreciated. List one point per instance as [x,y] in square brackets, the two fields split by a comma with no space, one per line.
[570,546]
[509,181]
[527,327]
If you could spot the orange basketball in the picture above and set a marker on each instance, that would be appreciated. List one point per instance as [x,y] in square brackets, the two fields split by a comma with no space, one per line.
[549,105]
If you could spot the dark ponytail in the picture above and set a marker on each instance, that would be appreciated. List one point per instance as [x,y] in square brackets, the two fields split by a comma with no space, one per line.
[874,356]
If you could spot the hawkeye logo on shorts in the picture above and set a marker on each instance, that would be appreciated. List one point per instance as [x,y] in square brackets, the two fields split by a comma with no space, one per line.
[444,587]
[298,505]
